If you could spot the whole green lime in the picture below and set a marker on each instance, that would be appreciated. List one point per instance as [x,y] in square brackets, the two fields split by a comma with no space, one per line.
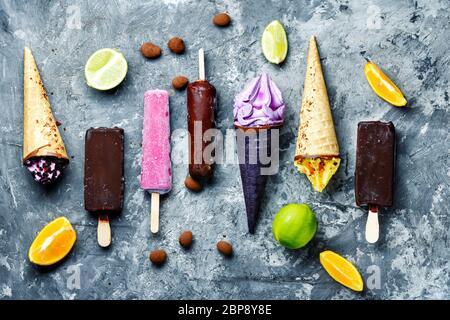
[294,225]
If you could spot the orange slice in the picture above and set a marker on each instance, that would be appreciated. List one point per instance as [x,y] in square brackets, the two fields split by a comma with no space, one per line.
[52,243]
[341,270]
[383,86]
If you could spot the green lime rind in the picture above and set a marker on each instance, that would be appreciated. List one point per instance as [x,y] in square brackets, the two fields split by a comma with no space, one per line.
[274,42]
[294,226]
[105,69]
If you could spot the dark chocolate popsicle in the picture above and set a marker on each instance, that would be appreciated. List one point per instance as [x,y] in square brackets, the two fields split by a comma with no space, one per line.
[375,155]
[201,99]
[103,170]
[375,169]
[104,176]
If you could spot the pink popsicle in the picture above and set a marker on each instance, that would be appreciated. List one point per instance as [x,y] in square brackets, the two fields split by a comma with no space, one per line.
[156,175]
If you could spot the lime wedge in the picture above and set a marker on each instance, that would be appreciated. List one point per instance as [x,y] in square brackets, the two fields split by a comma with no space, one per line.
[274,42]
[105,69]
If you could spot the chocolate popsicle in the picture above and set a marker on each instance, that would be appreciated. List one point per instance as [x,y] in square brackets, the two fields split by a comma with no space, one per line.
[374,172]
[201,100]
[103,176]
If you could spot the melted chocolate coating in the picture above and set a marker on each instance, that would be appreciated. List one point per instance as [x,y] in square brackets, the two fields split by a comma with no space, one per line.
[375,157]
[103,170]
[201,100]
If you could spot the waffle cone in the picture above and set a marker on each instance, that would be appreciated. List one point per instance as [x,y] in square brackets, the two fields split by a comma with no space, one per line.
[316,134]
[41,136]
[253,181]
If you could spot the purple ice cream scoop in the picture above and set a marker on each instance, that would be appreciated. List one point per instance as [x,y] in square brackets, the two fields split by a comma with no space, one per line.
[45,170]
[259,107]
[260,104]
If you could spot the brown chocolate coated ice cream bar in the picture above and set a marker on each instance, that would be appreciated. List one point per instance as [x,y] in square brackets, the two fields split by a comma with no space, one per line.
[375,155]
[375,171]
[104,170]
[201,100]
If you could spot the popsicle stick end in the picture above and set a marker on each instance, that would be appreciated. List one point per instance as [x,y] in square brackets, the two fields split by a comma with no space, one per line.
[154,213]
[201,64]
[372,225]
[103,231]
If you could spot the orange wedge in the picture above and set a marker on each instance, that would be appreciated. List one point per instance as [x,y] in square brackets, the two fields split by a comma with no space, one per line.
[341,270]
[383,86]
[52,243]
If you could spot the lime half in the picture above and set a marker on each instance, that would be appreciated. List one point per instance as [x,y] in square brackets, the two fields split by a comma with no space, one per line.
[274,42]
[105,69]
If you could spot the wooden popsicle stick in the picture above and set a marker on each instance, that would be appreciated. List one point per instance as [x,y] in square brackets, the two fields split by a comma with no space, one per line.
[103,231]
[154,214]
[201,64]
[372,226]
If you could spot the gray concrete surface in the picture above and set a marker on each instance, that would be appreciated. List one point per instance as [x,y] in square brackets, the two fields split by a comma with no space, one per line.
[409,39]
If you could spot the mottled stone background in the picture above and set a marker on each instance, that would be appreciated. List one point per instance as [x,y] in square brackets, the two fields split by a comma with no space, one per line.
[409,39]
